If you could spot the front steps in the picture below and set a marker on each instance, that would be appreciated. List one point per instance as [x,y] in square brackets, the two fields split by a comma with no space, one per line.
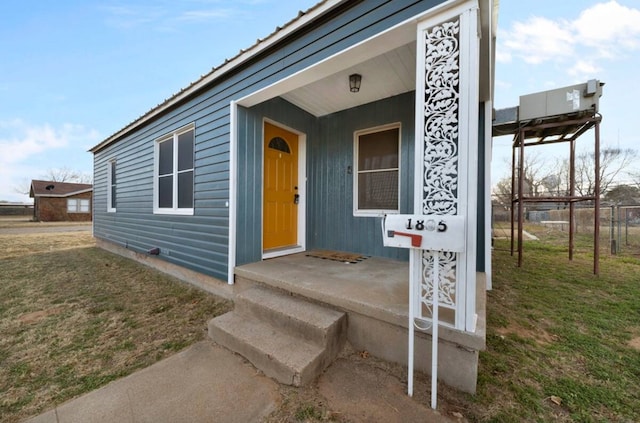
[289,339]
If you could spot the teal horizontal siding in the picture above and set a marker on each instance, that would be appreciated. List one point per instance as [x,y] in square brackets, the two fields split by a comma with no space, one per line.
[134,223]
[331,223]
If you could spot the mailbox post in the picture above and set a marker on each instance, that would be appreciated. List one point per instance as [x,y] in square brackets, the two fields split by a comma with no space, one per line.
[441,235]
[424,232]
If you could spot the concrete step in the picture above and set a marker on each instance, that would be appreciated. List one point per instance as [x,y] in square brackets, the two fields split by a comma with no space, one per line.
[283,357]
[321,325]
[288,338]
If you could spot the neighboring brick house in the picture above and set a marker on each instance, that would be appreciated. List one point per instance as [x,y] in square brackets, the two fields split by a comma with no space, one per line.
[61,201]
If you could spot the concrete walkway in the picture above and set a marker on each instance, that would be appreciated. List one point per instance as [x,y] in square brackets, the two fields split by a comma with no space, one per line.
[208,383]
[39,228]
[204,383]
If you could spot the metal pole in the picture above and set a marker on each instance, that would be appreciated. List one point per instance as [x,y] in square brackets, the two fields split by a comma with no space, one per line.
[572,192]
[596,219]
[414,262]
[434,330]
[626,227]
[513,188]
[619,230]
[612,236]
[520,196]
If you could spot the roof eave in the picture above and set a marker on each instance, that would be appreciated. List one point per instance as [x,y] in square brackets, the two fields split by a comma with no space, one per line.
[64,195]
[303,18]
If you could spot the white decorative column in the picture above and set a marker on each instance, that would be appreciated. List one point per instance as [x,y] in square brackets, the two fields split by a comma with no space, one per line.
[447,97]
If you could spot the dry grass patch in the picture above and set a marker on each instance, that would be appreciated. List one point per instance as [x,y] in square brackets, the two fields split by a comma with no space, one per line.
[19,245]
[72,320]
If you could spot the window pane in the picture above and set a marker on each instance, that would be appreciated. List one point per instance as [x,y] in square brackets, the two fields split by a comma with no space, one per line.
[279,144]
[72,205]
[165,165]
[84,206]
[185,151]
[113,173]
[112,176]
[113,196]
[165,191]
[378,150]
[185,190]
[378,190]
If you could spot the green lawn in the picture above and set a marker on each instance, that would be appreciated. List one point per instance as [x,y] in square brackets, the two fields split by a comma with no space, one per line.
[562,343]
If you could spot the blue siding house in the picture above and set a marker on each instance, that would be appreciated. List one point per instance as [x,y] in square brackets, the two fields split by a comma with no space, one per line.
[306,139]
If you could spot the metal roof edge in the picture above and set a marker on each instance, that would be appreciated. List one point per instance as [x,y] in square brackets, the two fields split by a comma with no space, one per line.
[303,18]
[82,191]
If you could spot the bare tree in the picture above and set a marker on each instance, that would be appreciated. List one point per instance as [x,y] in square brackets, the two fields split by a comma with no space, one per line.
[535,173]
[502,192]
[63,174]
[538,180]
[66,174]
[23,187]
[623,194]
[613,163]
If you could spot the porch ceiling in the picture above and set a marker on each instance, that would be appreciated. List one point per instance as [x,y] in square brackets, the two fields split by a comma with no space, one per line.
[386,75]
[387,63]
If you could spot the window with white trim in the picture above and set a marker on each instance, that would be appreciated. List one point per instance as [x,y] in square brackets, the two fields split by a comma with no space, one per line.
[173,181]
[376,171]
[111,186]
[78,205]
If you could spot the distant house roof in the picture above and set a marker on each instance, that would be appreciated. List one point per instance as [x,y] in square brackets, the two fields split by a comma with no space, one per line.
[57,189]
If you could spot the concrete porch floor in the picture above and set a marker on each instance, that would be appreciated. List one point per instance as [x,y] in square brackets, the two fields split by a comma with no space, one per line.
[374,287]
[375,294]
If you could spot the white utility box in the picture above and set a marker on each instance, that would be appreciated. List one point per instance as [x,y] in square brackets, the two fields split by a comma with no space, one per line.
[572,99]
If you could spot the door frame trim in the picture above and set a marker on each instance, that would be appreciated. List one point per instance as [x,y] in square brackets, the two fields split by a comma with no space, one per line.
[302,190]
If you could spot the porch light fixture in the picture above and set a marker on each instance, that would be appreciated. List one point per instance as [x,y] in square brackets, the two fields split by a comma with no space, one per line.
[354,82]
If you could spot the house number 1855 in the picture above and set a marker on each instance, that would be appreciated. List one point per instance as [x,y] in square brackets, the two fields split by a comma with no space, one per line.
[430,225]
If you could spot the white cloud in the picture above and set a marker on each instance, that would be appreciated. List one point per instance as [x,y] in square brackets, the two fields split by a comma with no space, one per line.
[26,150]
[584,69]
[127,17]
[538,40]
[605,31]
[19,140]
[503,56]
[166,17]
[206,15]
[609,27]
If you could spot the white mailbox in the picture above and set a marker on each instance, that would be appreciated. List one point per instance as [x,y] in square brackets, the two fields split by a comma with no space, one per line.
[425,232]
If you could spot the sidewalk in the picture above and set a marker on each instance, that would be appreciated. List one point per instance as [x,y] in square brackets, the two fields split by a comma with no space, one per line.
[208,383]
[204,383]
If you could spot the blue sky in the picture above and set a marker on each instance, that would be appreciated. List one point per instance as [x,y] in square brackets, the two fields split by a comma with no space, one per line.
[72,72]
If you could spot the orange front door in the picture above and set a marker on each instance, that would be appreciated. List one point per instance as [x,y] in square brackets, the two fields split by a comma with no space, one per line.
[280,206]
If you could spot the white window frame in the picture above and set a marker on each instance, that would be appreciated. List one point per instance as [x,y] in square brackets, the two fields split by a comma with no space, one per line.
[156,169]
[356,137]
[78,204]
[70,208]
[111,164]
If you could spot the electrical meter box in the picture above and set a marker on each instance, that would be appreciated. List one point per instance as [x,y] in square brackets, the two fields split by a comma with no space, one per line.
[426,232]
[562,101]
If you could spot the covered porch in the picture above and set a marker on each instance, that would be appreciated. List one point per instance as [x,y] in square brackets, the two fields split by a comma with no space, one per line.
[374,293]
[427,78]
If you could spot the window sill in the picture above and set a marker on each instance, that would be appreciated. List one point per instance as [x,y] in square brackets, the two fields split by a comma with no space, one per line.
[373,213]
[179,212]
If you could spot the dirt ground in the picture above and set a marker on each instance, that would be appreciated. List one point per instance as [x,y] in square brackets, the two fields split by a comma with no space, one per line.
[358,387]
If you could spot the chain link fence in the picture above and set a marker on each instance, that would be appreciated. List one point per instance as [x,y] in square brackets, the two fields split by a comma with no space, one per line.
[619,224]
